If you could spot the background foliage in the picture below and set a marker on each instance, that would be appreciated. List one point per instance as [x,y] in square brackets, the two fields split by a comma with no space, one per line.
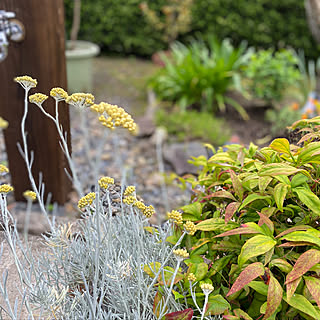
[119,26]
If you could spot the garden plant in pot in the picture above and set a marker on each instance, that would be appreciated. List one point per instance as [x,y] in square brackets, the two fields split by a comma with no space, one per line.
[79,55]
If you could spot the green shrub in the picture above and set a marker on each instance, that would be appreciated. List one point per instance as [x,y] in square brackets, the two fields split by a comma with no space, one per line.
[271,73]
[256,215]
[197,74]
[119,25]
[192,125]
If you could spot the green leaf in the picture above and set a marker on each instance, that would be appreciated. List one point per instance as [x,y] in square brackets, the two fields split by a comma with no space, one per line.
[152,269]
[230,210]
[221,157]
[297,228]
[283,265]
[216,305]
[277,169]
[248,228]
[309,199]
[264,182]
[281,145]
[248,274]
[252,197]
[218,265]
[300,303]
[279,193]
[193,209]
[307,153]
[241,314]
[298,180]
[220,194]
[303,236]
[236,184]
[306,261]
[259,286]
[274,297]
[214,224]
[200,270]
[313,285]
[255,246]
[177,295]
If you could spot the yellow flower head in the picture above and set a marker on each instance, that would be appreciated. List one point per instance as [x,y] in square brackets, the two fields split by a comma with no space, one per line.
[5,188]
[3,123]
[190,227]
[81,100]
[181,254]
[192,277]
[86,200]
[207,288]
[129,190]
[3,169]
[149,211]
[30,195]
[140,205]
[105,181]
[38,98]
[26,82]
[129,200]
[58,94]
[176,216]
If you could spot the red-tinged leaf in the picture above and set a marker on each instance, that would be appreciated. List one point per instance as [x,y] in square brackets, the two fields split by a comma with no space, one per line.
[297,228]
[249,273]
[307,137]
[313,285]
[248,228]
[277,169]
[159,301]
[274,297]
[292,287]
[229,317]
[220,194]
[265,220]
[306,261]
[238,188]
[180,315]
[241,314]
[281,145]
[230,210]
[295,244]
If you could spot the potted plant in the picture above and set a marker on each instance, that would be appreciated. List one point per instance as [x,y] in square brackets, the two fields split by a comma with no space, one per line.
[79,55]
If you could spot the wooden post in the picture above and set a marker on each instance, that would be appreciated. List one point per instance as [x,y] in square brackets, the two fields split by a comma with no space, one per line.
[40,55]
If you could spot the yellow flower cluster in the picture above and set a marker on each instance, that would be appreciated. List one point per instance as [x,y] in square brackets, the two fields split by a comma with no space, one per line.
[148,211]
[3,169]
[5,188]
[116,116]
[58,94]
[181,253]
[38,98]
[86,200]
[129,190]
[30,195]
[192,277]
[207,288]
[26,82]
[3,123]
[190,227]
[105,181]
[80,100]
[129,200]
[176,216]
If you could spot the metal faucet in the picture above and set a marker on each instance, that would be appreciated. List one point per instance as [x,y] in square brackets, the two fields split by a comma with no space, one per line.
[10,29]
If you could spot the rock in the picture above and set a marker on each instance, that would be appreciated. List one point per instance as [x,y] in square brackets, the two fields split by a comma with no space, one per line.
[178,154]
[146,126]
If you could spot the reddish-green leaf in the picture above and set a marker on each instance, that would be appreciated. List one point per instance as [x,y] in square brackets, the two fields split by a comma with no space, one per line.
[248,228]
[216,305]
[252,197]
[306,261]
[274,297]
[159,301]
[309,199]
[279,193]
[297,228]
[307,153]
[277,169]
[281,145]
[303,236]
[230,210]
[292,287]
[220,194]
[238,188]
[214,224]
[300,303]
[230,317]
[249,273]
[255,246]
[265,220]
[295,244]
[313,285]
[180,315]
[263,183]
[241,314]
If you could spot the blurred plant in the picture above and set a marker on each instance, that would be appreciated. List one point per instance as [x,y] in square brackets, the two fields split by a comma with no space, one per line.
[270,74]
[200,74]
[282,118]
[190,125]
[177,18]
[256,220]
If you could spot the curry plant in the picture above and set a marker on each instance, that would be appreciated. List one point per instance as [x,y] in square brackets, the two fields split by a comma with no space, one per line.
[256,213]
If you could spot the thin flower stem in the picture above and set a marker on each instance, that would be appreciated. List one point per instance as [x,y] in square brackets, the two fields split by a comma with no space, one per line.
[204,306]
